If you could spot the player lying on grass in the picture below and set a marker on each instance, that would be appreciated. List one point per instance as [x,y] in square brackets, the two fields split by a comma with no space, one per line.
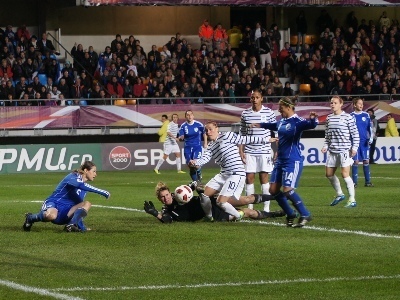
[65,206]
[230,181]
[173,211]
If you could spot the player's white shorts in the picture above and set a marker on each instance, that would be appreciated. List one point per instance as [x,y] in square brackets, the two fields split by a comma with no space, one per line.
[168,149]
[228,185]
[336,160]
[258,163]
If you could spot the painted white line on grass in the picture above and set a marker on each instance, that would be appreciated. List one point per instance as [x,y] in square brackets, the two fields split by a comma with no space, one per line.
[44,292]
[356,232]
[206,285]
[118,208]
[369,234]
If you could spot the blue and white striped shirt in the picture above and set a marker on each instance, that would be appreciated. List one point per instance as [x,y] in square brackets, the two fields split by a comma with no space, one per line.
[341,134]
[173,128]
[249,116]
[226,153]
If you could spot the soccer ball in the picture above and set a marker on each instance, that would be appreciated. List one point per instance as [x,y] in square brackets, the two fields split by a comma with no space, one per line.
[183,194]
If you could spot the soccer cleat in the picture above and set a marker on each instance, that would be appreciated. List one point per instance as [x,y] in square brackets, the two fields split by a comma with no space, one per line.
[27,225]
[181,172]
[156,171]
[369,184]
[351,204]
[302,221]
[208,219]
[337,199]
[72,228]
[355,185]
[290,220]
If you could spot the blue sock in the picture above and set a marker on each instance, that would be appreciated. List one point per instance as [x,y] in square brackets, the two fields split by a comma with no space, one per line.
[193,174]
[354,173]
[367,173]
[81,225]
[284,204]
[297,203]
[39,217]
[199,176]
[78,215]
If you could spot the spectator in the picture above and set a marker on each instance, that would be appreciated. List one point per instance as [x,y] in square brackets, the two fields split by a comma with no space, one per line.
[114,88]
[391,128]
[115,42]
[64,88]
[351,20]
[206,33]
[23,32]
[78,55]
[138,87]
[264,46]
[5,68]
[36,85]
[46,45]
[324,21]
[287,90]
[78,90]
[384,20]
[21,86]
[220,37]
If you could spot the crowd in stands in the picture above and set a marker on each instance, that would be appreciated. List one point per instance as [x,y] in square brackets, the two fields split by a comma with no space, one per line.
[355,58]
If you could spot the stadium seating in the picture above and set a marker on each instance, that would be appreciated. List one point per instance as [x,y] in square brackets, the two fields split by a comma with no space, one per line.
[42,78]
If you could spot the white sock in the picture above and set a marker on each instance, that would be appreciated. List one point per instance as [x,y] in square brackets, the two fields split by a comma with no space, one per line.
[350,188]
[229,209]
[178,164]
[206,205]
[336,185]
[250,191]
[160,162]
[265,191]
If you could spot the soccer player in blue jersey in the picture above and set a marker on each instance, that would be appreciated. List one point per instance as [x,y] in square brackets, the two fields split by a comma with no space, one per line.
[192,132]
[66,205]
[289,162]
[229,183]
[341,144]
[364,127]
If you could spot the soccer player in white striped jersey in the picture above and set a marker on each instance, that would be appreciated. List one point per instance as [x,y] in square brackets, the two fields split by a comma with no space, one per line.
[258,158]
[341,143]
[171,145]
[364,127]
[229,183]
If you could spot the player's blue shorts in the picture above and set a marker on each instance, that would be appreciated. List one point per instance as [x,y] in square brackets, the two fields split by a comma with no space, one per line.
[62,208]
[362,152]
[192,152]
[286,173]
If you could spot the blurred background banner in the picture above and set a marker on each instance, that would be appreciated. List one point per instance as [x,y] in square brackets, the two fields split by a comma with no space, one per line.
[244,2]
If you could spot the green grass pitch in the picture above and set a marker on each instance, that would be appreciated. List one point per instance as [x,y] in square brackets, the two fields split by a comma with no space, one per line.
[342,254]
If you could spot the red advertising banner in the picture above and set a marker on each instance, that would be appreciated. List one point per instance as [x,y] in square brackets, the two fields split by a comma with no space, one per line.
[42,117]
